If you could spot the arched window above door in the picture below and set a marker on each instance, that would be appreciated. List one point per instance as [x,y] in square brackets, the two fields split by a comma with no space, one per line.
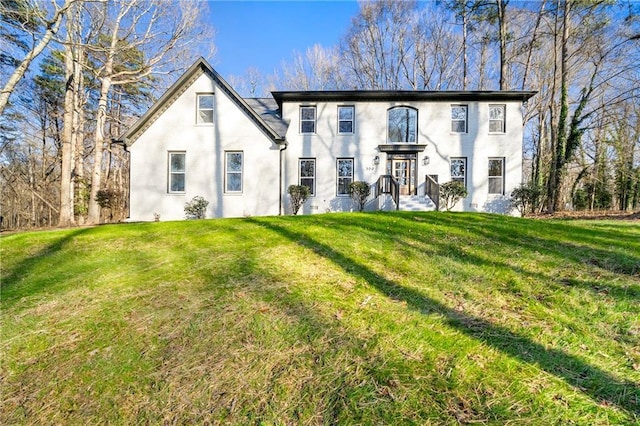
[402,125]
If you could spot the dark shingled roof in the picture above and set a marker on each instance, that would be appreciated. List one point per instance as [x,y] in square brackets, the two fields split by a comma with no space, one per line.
[267,109]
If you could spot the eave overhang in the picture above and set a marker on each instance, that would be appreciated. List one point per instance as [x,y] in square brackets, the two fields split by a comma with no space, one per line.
[399,96]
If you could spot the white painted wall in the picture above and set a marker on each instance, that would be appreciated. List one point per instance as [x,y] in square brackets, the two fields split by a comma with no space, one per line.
[434,129]
[176,130]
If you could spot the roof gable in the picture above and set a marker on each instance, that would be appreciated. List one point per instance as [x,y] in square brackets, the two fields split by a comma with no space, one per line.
[200,67]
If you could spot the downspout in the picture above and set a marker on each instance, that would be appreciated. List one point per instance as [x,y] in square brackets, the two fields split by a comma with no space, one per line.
[281,153]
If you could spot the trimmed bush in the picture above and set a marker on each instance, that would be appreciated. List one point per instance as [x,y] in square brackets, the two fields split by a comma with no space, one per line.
[298,194]
[196,208]
[451,193]
[526,197]
[359,192]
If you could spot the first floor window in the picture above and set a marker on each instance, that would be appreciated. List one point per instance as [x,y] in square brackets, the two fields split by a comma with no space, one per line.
[205,109]
[177,171]
[345,175]
[346,116]
[496,176]
[233,171]
[496,118]
[308,174]
[459,170]
[458,118]
[307,119]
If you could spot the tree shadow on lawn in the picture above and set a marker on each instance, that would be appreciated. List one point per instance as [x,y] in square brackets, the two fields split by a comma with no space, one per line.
[494,229]
[20,272]
[599,385]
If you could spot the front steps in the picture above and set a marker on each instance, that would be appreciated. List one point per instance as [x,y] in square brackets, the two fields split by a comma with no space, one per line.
[416,203]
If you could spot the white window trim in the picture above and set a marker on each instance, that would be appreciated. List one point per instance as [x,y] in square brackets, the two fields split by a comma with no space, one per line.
[338,193]
[502,178]
[226,173]
[170,173]
[465,168]
[466,119]
[504,119]
[315,173]
[198,121]
[315,119]
[353,119]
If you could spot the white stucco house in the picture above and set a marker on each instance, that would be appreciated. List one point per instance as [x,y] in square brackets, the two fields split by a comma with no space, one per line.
[241,155]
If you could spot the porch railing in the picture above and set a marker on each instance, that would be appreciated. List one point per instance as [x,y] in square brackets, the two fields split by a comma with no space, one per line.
[432,190]
[387,184]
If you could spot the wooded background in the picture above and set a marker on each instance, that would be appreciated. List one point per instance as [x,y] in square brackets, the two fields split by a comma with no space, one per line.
[75,73]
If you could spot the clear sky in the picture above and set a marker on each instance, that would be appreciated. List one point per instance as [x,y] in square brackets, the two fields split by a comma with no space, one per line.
[263,34]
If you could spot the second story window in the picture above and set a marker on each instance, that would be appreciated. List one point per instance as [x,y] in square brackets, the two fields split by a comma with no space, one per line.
[402,125]
[496,118]
[205,109]
[458,118]
[346,117]
[308,119]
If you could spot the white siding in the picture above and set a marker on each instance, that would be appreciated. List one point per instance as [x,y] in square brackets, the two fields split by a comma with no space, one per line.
[205,145]
[434,130]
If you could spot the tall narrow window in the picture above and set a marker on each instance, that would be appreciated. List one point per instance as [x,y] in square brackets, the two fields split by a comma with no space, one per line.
[346,117]
[307,119]
[205,109]
[458,118]
[496,176]
[459,170]
[496,118]
[308,174]
[177,172]
[402,125]
[233,171]
[345,175]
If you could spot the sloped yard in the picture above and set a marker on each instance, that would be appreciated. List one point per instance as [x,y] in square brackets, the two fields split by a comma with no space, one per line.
[429,318]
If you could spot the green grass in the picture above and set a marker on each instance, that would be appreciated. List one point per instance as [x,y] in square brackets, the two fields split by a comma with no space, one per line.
[382,318]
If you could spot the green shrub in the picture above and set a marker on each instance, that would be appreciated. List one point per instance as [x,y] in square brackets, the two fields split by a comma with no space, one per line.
[298,195]
[526,197]
[359,192]
[451,193]
[196,208]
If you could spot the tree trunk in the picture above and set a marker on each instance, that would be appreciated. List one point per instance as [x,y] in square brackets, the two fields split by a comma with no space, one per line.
[96,175]
[66,217]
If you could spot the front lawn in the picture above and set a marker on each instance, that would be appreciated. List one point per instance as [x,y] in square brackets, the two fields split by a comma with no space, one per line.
[371,318]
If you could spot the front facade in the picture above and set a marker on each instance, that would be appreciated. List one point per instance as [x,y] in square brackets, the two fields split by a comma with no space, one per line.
[241,155]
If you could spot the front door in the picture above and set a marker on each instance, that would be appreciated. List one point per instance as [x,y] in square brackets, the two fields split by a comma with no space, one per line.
[401,170]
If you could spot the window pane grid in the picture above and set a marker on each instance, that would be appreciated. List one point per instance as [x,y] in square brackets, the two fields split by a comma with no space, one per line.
[307,119]
[459,118]
[205,109]
[459,170]
[402,125]
[496,118]
[233,166]
[177,171]
[308,174]
[345,175]
[496,176]
[345,119]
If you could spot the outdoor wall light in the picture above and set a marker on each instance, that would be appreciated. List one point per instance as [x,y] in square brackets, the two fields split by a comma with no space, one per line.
[425,160]
[376,160]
